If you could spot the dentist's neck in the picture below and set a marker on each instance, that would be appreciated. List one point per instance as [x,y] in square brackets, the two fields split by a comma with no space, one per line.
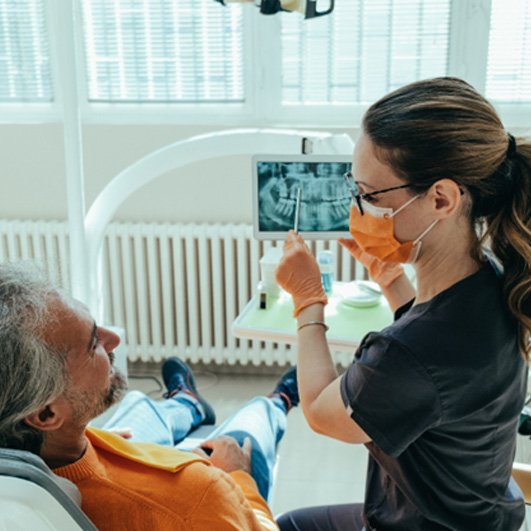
[445,261]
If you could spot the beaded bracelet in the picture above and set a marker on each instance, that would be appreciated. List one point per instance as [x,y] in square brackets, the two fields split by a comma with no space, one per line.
[309,323]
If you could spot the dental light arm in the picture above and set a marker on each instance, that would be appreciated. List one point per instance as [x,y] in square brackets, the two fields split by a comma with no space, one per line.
[182,153]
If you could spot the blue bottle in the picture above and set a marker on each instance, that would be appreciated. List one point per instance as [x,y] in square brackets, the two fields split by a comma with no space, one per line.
[325,259]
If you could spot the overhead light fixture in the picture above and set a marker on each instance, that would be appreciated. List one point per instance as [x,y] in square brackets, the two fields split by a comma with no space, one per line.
[269,7]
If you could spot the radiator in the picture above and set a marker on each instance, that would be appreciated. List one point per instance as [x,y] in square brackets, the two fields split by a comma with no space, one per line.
[174,288]
[44,242]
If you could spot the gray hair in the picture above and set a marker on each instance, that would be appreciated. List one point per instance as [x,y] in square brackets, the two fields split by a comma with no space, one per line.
[32,374]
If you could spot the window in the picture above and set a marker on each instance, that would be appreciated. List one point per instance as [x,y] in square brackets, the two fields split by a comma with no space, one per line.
[364,50]
[185,51]
[24,56]
[198,62]
[509,65]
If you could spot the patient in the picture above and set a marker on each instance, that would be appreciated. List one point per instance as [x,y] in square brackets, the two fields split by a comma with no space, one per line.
[57,374]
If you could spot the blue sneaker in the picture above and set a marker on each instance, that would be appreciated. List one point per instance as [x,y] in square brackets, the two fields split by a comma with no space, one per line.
[178,377]
[287,389]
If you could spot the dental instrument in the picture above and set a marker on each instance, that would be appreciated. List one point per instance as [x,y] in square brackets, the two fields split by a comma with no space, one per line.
[297,210]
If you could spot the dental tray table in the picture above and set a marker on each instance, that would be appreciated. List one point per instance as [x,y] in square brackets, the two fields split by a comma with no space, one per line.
[348,324]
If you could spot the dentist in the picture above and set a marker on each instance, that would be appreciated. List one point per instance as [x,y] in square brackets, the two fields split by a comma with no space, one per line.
[437,182]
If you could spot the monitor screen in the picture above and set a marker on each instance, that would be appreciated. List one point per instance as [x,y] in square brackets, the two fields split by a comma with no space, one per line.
[324,197]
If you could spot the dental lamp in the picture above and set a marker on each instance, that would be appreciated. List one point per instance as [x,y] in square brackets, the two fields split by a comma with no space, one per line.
[269,7]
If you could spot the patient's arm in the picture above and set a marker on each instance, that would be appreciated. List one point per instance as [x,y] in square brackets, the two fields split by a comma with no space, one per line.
[231,503]
[230,507]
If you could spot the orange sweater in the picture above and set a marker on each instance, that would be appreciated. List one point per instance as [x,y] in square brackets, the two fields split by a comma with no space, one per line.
[151,487]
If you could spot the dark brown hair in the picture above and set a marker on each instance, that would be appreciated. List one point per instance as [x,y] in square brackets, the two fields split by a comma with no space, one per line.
[443,128]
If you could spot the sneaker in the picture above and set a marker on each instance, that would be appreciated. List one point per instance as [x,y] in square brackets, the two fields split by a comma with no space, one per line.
[287,389]
[178,377]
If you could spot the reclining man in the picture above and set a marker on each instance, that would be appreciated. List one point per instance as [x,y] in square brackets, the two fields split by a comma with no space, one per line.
[57,374]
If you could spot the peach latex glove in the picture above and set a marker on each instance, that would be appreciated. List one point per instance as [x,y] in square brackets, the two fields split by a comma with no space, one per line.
[384,273]
[299,274]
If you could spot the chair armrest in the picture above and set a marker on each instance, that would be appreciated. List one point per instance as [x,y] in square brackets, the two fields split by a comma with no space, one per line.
[522,476]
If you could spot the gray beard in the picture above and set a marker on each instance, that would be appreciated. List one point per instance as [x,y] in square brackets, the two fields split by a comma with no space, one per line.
[116,391]
[86,406]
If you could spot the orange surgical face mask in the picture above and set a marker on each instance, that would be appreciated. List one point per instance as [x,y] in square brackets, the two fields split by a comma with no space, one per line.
[374,233]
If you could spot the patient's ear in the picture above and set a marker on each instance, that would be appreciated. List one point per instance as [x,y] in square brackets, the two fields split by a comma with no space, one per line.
[49,418]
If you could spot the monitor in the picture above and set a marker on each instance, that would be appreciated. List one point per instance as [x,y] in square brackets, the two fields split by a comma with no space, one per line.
[324,202]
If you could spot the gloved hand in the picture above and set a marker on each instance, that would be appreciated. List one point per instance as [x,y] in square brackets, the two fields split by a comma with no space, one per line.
[299,274]
[384,273]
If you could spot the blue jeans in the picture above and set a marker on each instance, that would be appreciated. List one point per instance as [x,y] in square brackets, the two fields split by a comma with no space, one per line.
[169,421]
[346,517]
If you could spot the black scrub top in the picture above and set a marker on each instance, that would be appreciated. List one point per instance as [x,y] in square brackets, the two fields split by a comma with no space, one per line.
[439,392]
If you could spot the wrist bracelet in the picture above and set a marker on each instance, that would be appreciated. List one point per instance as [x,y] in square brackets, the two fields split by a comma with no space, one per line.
[310,323]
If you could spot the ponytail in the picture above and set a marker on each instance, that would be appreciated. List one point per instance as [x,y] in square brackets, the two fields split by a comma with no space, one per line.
[443,127]
[509,232]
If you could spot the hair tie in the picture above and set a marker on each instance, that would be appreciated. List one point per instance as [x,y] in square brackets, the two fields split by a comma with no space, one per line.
[511,146]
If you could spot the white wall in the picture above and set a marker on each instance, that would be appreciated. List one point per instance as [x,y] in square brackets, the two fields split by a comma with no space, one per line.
[32,175]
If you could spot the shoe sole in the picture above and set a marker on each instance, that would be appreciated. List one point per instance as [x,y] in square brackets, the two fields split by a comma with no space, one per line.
[210,415]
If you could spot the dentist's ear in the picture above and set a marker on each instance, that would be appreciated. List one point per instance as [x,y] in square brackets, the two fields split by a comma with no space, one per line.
[447,198]
[49,418]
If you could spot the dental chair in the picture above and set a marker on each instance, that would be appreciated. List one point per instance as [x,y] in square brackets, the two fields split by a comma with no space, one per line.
[522,476]
[33,497]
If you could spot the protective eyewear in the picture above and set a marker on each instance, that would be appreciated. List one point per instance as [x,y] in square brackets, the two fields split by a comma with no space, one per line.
[357,196]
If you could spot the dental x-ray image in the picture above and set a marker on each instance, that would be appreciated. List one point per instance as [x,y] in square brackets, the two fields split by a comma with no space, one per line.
[324,203]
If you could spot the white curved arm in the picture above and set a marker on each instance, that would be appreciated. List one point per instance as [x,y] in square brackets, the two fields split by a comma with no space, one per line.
[181,153]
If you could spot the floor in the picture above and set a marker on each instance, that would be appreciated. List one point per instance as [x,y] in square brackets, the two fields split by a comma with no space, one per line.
[313,470]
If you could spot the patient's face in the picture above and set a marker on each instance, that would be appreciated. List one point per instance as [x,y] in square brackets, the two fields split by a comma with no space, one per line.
[94,384]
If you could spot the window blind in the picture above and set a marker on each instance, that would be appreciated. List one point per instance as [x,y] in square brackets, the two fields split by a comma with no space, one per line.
[24,55]
[187,51]
[509,59]
[363,50]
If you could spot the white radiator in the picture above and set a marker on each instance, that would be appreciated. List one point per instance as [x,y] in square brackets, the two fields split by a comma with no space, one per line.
[175,289]
[44,242]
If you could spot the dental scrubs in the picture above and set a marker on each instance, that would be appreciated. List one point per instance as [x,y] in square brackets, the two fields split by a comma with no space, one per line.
[439,392]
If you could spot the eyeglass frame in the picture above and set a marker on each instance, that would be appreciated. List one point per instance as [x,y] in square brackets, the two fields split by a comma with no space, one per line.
[355,191]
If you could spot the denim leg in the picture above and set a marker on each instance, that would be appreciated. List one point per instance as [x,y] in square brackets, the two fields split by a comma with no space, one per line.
[265,424]
[169,421]
[346,517]
[157,421]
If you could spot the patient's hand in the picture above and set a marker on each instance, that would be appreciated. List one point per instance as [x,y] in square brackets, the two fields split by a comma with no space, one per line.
[227,454]
[126,433]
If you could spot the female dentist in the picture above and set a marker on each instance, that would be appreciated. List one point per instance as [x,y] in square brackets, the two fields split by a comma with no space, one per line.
[438,182]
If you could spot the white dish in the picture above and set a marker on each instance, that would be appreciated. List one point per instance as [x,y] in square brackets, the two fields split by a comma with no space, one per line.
[361,294]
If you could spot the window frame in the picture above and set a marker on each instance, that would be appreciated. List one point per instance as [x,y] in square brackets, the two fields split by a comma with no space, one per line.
[467,58]
[37,112]
[166,113]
